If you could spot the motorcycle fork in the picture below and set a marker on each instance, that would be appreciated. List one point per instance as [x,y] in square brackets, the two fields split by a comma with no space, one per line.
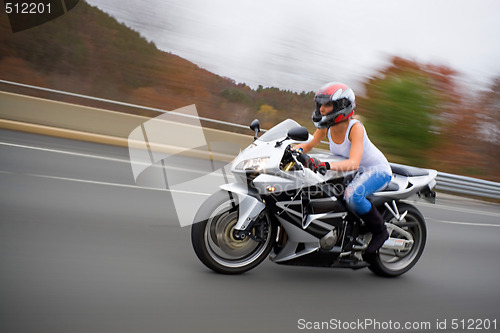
[256,229]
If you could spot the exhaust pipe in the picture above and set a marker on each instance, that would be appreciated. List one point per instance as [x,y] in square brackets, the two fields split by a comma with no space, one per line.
[397,244]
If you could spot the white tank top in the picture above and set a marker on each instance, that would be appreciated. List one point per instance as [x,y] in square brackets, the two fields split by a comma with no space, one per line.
[372,157]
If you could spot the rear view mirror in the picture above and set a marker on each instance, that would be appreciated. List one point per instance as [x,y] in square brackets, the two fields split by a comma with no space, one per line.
[255,126]
[298,134]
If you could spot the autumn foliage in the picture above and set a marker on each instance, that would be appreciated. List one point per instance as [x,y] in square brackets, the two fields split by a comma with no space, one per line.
[421,114]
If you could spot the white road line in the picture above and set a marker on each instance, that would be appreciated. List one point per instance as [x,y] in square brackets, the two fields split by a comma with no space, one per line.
[64,152]
[466,223]
[460,209]
[104,158]
[103,183]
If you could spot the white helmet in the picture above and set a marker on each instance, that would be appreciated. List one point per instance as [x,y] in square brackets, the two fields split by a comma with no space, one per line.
[343,100]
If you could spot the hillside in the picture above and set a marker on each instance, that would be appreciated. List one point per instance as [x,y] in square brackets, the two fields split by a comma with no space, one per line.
[88,52]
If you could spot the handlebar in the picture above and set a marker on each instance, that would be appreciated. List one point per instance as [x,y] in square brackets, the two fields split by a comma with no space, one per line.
[295,154]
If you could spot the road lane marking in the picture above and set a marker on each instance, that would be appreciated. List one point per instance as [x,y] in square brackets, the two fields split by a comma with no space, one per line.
[465,223]
[94,182]
[64,152]
[460,209]
[104,158]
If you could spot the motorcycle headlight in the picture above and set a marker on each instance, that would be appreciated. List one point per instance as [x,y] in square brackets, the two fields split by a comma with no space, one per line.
[252,164]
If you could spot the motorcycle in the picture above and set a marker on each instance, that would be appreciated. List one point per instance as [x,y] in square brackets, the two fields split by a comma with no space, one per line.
[278,206]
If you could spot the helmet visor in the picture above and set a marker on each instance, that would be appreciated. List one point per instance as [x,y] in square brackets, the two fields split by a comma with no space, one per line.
[323,99]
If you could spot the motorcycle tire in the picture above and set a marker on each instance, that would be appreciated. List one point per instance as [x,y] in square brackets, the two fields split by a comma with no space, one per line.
[392,263]
[213,240]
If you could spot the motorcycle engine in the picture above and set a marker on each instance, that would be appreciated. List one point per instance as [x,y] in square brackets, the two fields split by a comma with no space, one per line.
[329,240]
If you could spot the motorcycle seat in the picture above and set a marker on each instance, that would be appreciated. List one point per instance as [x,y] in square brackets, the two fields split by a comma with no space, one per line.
[397,183]
[408,171]
[392,186]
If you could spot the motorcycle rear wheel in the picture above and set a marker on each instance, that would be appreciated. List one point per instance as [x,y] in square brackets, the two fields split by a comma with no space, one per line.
[214,242]
[392,263]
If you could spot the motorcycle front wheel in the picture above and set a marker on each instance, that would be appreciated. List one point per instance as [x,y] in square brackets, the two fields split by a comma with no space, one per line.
[212,237]
[391,263]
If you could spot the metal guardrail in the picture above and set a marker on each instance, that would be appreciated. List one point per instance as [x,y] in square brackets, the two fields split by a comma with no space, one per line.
[467,185]
[120,103]
[445,181]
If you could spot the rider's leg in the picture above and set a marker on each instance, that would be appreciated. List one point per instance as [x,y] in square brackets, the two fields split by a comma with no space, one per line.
[376,225]
[363,185]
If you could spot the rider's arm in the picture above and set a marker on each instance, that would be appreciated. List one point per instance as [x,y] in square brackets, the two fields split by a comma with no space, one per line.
[355,154]
[318,135]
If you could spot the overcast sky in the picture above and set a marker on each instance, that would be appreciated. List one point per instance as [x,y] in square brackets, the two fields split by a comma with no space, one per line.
[299,45]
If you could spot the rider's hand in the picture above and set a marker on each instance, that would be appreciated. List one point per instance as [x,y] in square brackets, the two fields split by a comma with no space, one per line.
[299,148]
[314,164]
[305,160]
[319,166]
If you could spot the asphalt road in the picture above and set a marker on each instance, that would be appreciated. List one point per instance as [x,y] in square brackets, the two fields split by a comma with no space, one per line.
[84,249]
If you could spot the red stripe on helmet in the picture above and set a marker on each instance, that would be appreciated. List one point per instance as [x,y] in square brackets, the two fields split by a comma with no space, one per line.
[334,88]
[341,117]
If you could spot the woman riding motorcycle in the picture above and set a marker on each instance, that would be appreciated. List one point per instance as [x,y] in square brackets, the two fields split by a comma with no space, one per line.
[333,117]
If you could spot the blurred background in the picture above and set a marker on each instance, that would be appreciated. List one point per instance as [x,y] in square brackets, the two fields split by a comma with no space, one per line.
[426,73]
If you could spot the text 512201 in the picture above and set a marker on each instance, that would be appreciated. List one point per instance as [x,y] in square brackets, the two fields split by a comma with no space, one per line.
[27,8]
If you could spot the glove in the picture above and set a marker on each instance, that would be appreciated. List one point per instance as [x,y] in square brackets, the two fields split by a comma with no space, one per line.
[314,164]
[319,166]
